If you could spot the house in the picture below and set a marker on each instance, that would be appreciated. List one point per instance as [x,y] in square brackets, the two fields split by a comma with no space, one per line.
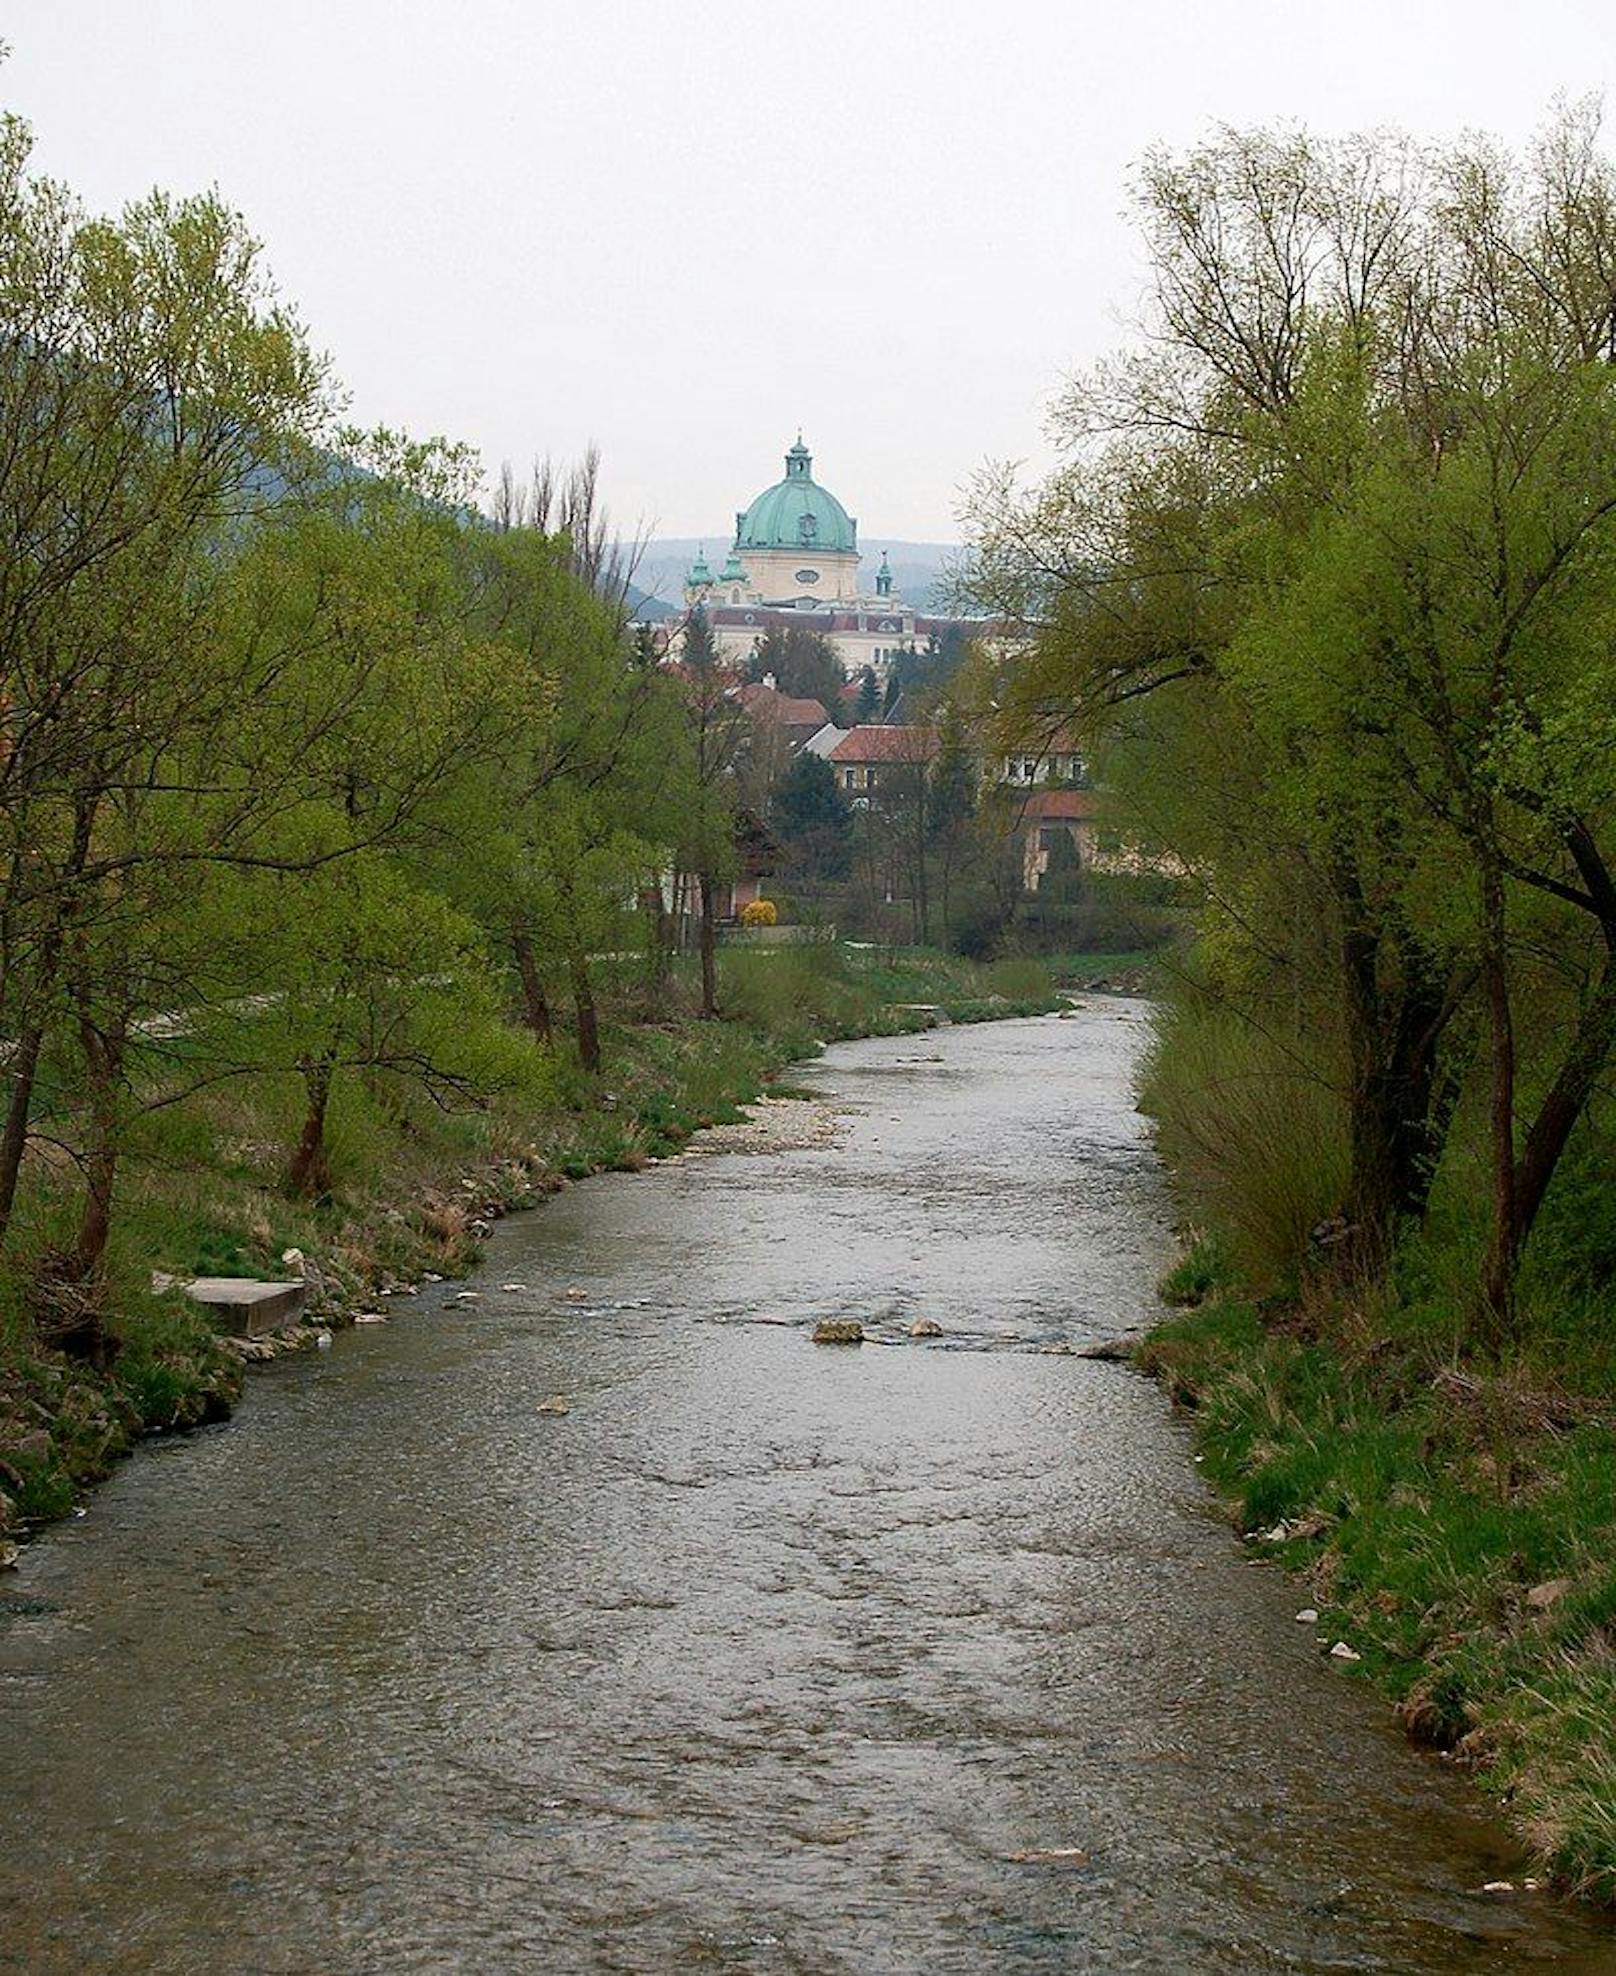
[825,742]
[1054,757]
[867,756]
[1079,815]
[795,721]
[757,857]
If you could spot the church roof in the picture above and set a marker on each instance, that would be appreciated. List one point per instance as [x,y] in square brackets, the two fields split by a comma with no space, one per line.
[797,513]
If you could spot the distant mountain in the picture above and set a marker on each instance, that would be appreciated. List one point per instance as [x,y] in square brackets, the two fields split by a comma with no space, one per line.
[644,607]
[919,569]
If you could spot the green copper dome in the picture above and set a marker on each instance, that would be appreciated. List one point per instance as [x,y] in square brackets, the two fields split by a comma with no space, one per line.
[797,513]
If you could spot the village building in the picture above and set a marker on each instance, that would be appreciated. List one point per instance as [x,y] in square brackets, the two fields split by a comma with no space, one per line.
[1050,814]
[796,721]
[1050,759]
[826,741]
[867,757]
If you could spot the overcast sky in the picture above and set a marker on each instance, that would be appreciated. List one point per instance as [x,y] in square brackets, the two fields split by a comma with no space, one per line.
[682,230]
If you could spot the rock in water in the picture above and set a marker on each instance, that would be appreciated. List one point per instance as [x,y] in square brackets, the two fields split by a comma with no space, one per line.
[1112,1351]
[557,1403]
[839,1331]
[925,1327]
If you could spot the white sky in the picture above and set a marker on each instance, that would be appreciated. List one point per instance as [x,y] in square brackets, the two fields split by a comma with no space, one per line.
[681,230]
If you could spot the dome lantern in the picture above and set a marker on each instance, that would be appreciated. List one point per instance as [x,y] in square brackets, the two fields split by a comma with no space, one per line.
[797,514]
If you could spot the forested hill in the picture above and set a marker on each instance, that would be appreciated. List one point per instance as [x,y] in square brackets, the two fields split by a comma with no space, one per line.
[918,568]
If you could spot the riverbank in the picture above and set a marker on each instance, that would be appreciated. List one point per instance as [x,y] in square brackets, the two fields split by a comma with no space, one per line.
[1452,1526]
[415,1192]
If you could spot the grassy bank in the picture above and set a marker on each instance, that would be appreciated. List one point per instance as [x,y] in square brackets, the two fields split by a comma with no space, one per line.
[1454,1523]
[414,1185]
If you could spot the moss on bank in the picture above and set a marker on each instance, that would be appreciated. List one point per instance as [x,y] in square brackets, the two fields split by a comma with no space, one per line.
[1456,1526]
[415,1186]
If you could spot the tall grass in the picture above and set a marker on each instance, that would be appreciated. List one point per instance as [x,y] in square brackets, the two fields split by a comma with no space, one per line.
[1254,1129]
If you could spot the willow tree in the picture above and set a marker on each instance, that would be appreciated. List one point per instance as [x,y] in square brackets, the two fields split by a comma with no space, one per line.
[716,728]
[154,395]
[1299,581]
[575,806]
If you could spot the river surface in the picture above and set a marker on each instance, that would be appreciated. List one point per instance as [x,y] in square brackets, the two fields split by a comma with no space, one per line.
[922,1657]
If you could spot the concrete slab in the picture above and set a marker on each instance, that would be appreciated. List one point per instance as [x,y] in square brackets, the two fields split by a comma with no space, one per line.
[246,1307]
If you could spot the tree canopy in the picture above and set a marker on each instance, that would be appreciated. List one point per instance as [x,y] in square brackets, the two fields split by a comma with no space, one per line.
[1325,579]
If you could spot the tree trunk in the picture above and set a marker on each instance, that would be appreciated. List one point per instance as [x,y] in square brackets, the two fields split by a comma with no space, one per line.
[656,913]
[103,1056]
[309,1173]
[1498,1274]
[709,947]
[535,1007]
[24,1068]
[1581,1067]
[1396,1125]
[583,1001]
[1580,1070]
[25,1060]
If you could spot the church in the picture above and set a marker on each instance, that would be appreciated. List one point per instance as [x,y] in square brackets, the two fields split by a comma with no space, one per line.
[794,564]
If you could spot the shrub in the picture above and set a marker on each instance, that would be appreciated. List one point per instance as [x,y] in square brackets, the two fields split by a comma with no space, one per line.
[1255,1129]
[759,912]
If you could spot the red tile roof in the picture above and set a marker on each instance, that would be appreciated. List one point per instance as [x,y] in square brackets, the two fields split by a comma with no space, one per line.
[1062,806]
[886,744]
[769,703]
[1051,741]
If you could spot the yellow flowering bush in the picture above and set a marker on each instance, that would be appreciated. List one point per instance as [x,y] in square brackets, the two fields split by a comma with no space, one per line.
[760,912]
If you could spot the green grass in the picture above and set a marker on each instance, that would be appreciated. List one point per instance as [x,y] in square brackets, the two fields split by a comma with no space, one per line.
[1252,1126]
[1424,1503]
[1076,970]
[909,978]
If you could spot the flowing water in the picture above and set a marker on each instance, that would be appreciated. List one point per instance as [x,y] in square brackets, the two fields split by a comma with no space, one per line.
[911,1657]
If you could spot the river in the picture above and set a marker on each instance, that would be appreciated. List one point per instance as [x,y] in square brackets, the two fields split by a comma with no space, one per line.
[918,1656]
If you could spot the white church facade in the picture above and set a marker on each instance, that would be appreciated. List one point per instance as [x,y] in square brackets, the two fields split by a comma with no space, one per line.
[794,564]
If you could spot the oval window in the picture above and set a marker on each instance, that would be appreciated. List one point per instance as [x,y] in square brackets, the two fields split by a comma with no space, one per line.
[807,576]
